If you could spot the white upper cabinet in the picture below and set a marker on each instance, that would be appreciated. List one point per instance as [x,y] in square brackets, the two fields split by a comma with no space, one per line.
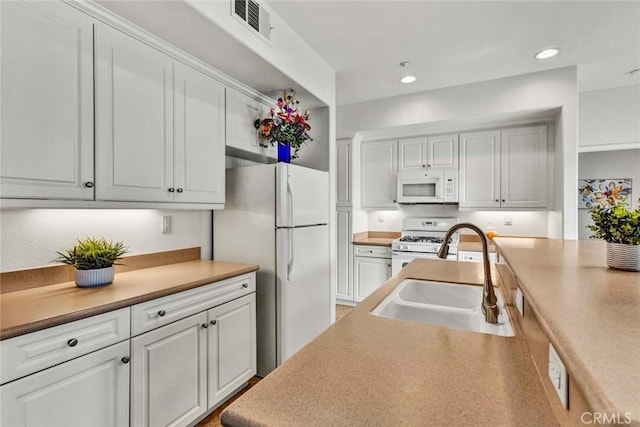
[159,125]
[134,119]
[242,136]
[442,152]
[343,174]
[524,167]
[378,168]
[47,101]
[504,169]
[199,137]
[433,152]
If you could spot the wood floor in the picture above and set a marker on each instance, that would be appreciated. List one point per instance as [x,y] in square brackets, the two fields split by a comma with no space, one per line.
[213,420]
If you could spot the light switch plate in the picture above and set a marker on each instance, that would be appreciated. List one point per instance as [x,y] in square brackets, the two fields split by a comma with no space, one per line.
[558,376]
[520,301]
[165,224]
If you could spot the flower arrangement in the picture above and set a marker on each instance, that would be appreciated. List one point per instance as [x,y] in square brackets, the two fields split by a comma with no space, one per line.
[615,223]
[286,125]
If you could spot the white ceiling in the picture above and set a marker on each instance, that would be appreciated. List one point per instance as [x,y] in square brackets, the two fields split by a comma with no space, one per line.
[456,42]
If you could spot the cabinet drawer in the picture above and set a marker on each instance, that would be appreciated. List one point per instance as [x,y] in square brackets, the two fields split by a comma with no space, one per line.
[372,251]
[158,312]
[33,352]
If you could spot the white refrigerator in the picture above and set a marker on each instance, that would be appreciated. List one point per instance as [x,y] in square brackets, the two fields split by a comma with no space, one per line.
[277,216]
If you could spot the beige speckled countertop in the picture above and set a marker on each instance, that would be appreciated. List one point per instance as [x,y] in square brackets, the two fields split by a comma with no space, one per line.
[590,313]
[375,238]
[30,310]
[471,243]
[367,370]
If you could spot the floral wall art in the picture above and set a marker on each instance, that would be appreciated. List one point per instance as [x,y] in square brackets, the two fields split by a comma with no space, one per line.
[604,192]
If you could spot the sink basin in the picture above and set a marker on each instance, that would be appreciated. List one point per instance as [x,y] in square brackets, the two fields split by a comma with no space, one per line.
[452,305]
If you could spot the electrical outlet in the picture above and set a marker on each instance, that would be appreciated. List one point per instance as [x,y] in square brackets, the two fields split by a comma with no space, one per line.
[558,376]
[508,220]
[165,224]
[520,301]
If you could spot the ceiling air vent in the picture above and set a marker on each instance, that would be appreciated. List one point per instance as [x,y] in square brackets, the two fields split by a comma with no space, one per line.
[254,15]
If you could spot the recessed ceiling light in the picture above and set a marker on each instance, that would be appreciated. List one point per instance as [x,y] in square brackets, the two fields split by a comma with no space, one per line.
[408,79]
[547,53]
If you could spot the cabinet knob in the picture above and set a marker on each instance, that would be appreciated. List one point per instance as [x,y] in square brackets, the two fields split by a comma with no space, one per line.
[497,200]
[204,326]
[171,189]
[125,359]
[428,166]
[394,201]
[245,285]
[72,342]
[503,200]
[388,265]
[161,313]
[180,190]
[88,184]
[213,322]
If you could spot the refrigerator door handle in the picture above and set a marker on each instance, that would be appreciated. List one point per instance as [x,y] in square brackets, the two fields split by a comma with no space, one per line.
[290,263]
[290,195]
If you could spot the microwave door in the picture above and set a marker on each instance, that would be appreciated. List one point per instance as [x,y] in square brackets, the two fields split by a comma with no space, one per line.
[420,191]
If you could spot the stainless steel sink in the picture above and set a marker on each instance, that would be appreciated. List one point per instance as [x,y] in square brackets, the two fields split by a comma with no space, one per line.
[452,305]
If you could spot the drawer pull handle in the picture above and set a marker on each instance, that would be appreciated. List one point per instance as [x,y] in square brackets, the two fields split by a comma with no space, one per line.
[125,359]
[245,285]
[204,326]
[72,342]
[88,184]
[161,313]
[213,322]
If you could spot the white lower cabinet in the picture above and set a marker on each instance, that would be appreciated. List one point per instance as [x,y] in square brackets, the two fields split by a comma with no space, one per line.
[169,371]
[92,390]
[187,367]
[371,268]
[473,256]
[232,347]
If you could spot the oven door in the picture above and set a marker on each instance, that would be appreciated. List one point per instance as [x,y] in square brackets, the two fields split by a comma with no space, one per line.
[400,259]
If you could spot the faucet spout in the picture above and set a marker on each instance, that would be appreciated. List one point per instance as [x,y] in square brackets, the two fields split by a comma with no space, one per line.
[489,300]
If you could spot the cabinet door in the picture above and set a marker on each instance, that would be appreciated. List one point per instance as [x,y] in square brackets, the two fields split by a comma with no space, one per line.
[199,137]
[378,174]
[524,167]
[134,119]
[343,176]
[92,390]
[480,169]
[442,152]
[242,136]
[369,275]
[47,101]
[232,346]
[412,154]
[344,282]
[168,379]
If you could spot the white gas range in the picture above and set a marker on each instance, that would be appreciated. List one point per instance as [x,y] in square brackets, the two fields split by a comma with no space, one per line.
[422,238]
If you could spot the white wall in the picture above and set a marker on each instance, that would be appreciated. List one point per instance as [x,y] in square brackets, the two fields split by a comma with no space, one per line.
[315,154]
[548,90]
[609,117]
[30,237]
[608,164]
[523,223]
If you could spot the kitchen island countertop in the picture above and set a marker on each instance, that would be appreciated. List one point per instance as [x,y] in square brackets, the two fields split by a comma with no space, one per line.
[589,312]
[367,370]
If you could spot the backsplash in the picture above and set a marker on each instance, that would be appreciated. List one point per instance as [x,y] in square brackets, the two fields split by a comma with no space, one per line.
[529,223]
[30,237]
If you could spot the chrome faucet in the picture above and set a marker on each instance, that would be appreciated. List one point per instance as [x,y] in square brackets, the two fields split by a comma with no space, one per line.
[489,300]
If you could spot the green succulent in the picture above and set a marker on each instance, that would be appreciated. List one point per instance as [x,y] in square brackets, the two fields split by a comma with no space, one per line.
[92,253]
[615,223]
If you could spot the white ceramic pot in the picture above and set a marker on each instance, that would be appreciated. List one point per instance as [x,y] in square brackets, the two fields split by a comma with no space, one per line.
[623,257]
[93,278]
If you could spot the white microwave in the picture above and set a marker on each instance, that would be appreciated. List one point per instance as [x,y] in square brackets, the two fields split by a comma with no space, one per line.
[428,186]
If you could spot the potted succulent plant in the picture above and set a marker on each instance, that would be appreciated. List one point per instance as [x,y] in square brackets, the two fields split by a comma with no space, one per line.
[619,226]
[93,259]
